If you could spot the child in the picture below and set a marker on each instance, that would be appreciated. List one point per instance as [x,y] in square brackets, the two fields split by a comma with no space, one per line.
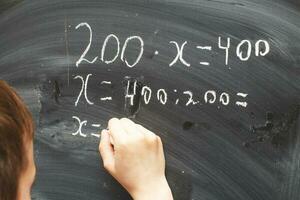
[132,154]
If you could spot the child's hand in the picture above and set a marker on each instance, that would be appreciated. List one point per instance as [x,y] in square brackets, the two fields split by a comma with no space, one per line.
[136,159]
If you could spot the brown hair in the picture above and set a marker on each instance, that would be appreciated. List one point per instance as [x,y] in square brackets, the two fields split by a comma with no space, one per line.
[16,127]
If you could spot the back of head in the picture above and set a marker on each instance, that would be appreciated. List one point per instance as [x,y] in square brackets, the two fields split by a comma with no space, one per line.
[16,128]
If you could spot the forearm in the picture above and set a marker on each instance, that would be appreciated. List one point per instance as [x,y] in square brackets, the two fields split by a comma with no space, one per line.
[161,191]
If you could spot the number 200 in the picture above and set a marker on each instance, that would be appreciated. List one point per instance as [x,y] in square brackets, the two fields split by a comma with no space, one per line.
[109,37]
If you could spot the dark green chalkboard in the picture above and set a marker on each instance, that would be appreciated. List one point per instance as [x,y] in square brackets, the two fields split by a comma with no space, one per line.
[224,77]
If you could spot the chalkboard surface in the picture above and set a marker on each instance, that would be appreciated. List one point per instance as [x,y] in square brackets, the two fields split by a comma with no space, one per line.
[218,80]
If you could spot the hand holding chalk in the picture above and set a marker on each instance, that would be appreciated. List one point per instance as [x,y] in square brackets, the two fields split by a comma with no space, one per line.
[134,156]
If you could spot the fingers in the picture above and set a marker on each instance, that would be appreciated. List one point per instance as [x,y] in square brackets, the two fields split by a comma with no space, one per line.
[121,129]
[106,151]
[145,131]
[152,137]
[116,131]
[130,127]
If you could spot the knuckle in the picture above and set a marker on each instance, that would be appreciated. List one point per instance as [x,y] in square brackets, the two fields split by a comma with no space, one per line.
[158,138]
[159,141]
[112,120]
[141,138]
[139,126]
[135,139]
[151,139]
[123,119]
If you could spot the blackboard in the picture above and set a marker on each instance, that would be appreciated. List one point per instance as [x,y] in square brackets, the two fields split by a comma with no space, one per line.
[223,77]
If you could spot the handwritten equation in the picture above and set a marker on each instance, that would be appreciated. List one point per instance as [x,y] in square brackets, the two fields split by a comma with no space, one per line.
[161,95]
[243,51]
[84,123]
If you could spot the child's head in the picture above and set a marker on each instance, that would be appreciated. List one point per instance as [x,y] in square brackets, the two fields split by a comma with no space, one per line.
[17,169]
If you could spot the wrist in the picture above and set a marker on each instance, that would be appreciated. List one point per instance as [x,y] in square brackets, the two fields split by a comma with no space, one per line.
[158,190]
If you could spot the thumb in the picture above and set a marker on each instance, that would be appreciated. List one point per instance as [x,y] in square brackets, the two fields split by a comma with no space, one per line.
[107,151]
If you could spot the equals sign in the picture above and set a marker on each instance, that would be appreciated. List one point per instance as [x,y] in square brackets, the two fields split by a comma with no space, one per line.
[106,98]
[241,103]
[96,125]
[208,48]
[94,134]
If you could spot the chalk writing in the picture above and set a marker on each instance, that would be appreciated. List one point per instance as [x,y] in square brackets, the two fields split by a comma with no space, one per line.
[80,124]
[208,48]
[79,132]
[209,96]
[104,47]
[82,57]
[84,84]
[242,103]
[243,49]
[162,96]
[140,53]
[136,92]
[226,48]
[190,101]
[179,54]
